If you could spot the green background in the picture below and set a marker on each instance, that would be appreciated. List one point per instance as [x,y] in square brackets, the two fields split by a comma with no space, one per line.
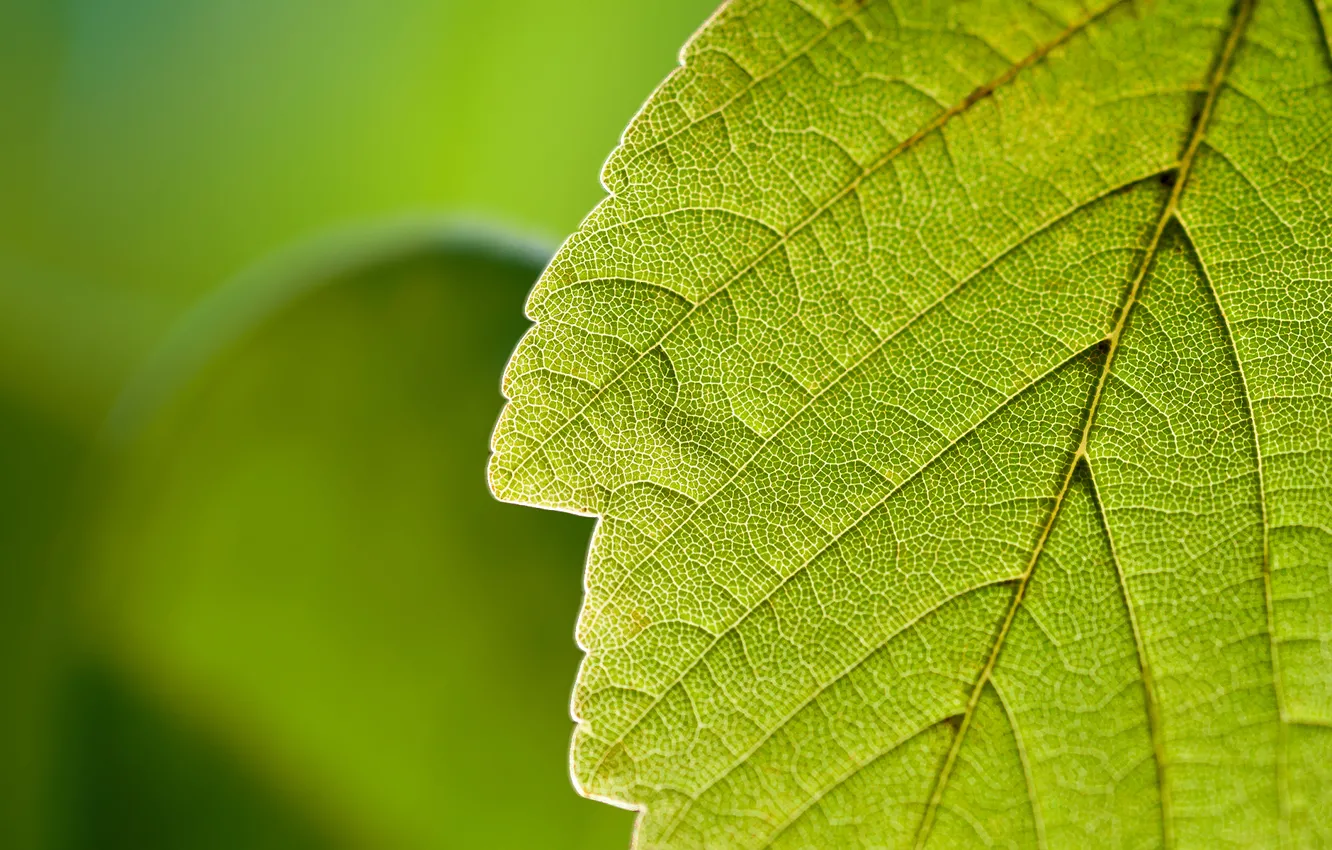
[253,591]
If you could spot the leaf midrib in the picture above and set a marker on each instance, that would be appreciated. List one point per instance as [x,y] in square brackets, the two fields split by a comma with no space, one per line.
[1169,213]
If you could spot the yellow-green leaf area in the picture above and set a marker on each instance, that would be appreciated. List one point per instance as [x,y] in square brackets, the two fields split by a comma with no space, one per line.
[953,383]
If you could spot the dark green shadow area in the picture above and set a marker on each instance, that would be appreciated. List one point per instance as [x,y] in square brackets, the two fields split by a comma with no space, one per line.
[40,462]
[134,775]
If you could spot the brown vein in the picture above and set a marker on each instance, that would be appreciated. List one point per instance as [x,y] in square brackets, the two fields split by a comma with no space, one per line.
[822,689]
[907,144]
[813,801]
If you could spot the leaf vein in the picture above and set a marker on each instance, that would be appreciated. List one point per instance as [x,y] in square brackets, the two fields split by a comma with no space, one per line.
[1150,700]
[938,303]
[937,123]
[823,688]
[828,545]
[1168,213]
[1037,817]
[1278,685]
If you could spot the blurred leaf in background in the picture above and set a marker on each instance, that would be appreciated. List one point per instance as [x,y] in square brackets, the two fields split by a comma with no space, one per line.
[140,775]
[276,660]
[300,557]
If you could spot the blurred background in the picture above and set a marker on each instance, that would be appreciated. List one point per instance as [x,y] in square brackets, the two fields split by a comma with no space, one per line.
[261,264]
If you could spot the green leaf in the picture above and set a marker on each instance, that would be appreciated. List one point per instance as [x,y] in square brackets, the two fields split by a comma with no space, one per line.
[952,381]
[297,556]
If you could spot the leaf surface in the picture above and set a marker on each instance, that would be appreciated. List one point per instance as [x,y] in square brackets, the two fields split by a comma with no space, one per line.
[953,385]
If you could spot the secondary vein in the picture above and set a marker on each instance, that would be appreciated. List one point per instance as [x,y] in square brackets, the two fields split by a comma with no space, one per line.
[1037,816]
[1145,672]
[819,691]
[937,123]
[805,564]
[1323,20]
[1278,682]
[941,781]
[878,346]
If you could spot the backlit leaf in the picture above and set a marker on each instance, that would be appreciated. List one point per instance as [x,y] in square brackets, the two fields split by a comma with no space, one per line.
[954,385]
